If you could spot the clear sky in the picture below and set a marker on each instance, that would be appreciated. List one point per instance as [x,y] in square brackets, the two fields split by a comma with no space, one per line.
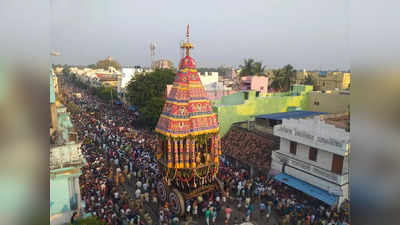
[311,34]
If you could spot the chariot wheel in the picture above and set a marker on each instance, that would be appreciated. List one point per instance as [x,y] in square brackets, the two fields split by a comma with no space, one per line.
[162,191]
[176,202]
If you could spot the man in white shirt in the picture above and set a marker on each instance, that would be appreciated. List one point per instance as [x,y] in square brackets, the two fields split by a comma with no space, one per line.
[138,184]
[137,193]
[188,208]
[116,195]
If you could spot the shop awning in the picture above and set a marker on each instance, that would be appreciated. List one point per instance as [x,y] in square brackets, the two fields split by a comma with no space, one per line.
[307,188]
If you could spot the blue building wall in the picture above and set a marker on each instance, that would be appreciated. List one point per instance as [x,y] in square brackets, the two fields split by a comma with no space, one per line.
[59,195]
[60,200]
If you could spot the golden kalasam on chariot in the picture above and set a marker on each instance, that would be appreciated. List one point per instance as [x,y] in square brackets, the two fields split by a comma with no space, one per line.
[189,141]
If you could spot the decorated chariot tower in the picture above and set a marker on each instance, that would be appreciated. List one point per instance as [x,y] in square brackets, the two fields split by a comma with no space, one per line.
[189,149]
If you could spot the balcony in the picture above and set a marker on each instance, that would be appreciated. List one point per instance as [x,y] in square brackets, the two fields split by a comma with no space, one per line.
[64,156]
[339,179]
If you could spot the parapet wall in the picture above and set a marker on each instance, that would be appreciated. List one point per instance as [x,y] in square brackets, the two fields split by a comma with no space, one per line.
[252,106]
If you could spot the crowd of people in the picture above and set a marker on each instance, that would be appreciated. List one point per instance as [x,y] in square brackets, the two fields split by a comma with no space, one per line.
[247,147]
[118,182]
[266,194]
[118,159]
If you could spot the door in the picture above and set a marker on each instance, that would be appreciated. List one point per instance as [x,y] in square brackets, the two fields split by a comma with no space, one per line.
[337,164]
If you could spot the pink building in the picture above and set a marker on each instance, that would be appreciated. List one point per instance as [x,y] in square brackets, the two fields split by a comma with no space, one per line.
[255,83]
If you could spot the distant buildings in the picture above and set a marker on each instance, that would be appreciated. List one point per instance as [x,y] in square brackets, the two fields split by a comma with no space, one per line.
[325,80]
[108,78]
[97,77]
[214,88]
[314,156]
[162,64]
[127,75]
[208,78]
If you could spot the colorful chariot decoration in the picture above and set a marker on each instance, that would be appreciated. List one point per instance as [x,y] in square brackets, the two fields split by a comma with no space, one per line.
[189,142]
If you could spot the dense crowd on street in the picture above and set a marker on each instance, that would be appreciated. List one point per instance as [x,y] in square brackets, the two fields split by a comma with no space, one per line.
[290,205]
[119,179]
[247,147]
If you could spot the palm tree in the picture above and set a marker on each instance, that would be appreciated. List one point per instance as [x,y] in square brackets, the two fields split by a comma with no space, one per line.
[282,78]
[247,69]
[259,68]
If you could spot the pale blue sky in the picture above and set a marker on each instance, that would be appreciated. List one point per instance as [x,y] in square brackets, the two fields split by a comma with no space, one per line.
[310,34]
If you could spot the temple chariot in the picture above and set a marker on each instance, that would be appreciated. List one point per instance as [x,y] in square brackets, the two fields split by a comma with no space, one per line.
[189,142]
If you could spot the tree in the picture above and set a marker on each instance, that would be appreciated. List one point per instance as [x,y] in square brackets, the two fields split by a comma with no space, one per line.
[282,78]
[247,67]
[250,68]
[105,93]
[146,92]
[258,68]
[105,63]
[89,221]
[92,66]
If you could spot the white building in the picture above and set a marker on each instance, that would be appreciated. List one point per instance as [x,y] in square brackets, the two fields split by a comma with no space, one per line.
[313,158]
[126,75]
[208,78]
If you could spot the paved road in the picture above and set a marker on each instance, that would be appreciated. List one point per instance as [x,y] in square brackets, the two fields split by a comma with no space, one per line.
[237,217]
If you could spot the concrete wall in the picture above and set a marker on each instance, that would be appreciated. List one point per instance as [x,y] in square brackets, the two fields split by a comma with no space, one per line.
[208,78]
[233,99]
[59,195]
[229,114]
[217,95]
[332,103]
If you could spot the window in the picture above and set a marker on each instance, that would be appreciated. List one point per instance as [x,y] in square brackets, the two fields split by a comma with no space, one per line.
[293,147]
[312,155]
[337,164]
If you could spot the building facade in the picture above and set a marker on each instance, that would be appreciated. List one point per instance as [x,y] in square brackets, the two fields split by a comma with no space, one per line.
[314,152]
[208,78]
[325,80]
[254,83]
[126,76]
[66,162]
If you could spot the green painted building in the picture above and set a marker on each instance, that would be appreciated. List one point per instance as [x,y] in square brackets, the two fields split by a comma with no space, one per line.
[243,106]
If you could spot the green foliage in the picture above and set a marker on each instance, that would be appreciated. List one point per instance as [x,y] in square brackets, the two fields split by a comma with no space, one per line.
[251,67]
[89,221]
[150,112]
[92,66]
[105,63]
[105,93]
[282,77]
[146,92]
